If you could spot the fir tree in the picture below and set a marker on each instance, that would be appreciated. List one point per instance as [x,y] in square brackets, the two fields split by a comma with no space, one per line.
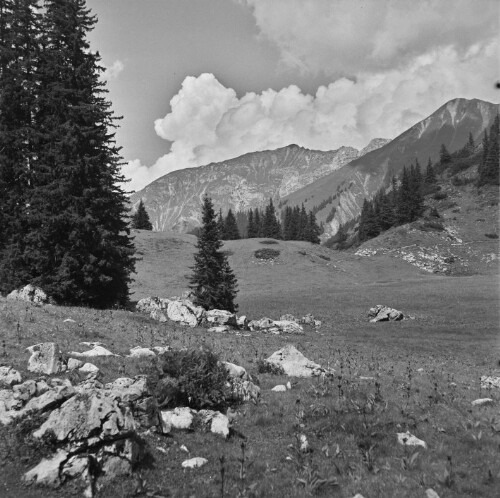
[430,175]
[444,155]
[212,281]
[471,146]
[251,231]
[231,231]
[270,226]
[489,167]
[313,231]
[77,244]
[140,220]
[258,223]
[221,225]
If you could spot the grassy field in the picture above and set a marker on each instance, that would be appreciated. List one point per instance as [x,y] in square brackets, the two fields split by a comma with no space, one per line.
[420,375]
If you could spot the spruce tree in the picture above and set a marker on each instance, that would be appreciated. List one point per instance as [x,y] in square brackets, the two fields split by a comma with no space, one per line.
[430,175]
[258,223]
[221,225]
[140,220]
[313,231]
[489,167]
[444,155]
[270,225]
[213,282]
[231,231]
[251,232]
[77,244]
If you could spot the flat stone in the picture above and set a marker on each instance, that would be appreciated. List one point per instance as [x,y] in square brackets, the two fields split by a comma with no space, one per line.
[279,388]
[295,364]
[407,439]
[9,377]
[194,463]
[482,402]
[89,368]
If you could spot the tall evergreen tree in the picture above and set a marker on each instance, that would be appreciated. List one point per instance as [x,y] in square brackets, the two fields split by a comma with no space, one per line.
[77,244]
[212,281]
[258,223]
[444,155]
[221,225]
[141,220]
[489,167]
[271,226]
[313,231]
[251,230]
[430,175]
[231,231]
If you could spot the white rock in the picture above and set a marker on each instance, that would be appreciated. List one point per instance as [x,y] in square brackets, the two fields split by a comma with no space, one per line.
[140,352]
[242,322]
[97,350]
[149,304]
[185,313]
[359,495]
[219,329]
[89,368]
[488,382]
[220,425]
[288,385]
[184,448]
[304,443]
[288,327]
[29,293]
[382,313]
[295,364]
[279,388]
[159,316]
[194,463]
[25,391]
[236,371]
[180,418]
[47,471]
[482,402]
[430,493]
[262,324]
[221,317]
[69,320]
[407,439]
[46,358]
[9,377]
[244,390]
[366,378]
[73,364]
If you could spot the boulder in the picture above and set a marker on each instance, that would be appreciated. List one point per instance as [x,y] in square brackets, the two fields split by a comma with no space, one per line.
[236,371]
[488,382]
[149,304]
[46,358]
[295,364]
[244,390]
[288,327]
[8,406]
[220,425]
[159,316]
[25,391]
[242,322]
[482,402]
[288,317]
[185,313]
[279,388]
[9,377]
[139,352]
[89,368]
[97,349]
[382,313]
[29,294]
[180,418]
[262,324]
[47,472]
[73,364]
[407,439]
[194,463]
[49,399]
[221,317]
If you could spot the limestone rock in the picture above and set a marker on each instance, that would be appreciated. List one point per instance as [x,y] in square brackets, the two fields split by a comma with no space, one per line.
[382,313]
[430,493]
[46,358]
[482,402]
[288,327]
[279,388]
[288,317]
[180,418]
[242,322]
[149,304]
[97,349]
[49,399]
[159,316]
[303,444]
[219,329]
[140,352]
[9,377]
[244,390]
[89,368]
[47,471]
[236,371]
[407,439]
[185,313]
[262,324]
[295,364]
[221,317]
[307,319]
[8,406]
[30,294]
[490,382]
[25,391]
[194,463]
[73,364]
[220,425]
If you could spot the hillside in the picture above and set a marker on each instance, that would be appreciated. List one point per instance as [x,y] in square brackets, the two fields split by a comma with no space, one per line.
[362,177]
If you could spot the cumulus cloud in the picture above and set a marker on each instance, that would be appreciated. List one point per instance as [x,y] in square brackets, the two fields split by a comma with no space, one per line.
[344,37]
[112,72]
[391,63]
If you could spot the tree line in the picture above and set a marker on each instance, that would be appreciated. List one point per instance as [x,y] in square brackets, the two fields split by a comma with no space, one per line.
[488,171]
[295,224]
[63,215]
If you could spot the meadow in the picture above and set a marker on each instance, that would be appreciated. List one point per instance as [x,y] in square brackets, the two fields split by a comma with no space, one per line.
[419,375]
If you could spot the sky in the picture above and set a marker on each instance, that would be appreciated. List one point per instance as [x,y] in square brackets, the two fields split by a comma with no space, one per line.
[200,81]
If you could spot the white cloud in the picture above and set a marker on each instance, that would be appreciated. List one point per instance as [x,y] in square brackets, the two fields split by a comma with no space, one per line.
[112,72]
[403,59]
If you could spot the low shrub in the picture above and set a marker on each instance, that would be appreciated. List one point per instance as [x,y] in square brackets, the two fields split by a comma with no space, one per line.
[269,242]
[264,366]
[193,378]
[302,253]
[491,235]
[266,253]
[439,196]
[460,181]
[428,226]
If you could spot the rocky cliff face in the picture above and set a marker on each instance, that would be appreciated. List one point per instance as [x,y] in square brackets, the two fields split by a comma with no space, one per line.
[365,175]
[173,201]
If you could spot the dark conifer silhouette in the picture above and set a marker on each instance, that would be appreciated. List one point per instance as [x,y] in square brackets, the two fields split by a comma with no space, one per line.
[231,231]
[212,281]
[140,219]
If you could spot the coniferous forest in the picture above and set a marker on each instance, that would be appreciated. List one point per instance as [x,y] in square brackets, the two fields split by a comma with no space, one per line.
[63,215]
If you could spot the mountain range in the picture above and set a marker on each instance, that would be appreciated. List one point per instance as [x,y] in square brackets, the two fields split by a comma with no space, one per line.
[337,180]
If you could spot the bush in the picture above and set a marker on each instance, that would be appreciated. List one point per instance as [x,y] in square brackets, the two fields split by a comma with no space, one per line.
[302,253]
[428,226]
[269,242]
[193,378]
[439,196]
[264,366]
[491,235]
[459,181]
[266,253]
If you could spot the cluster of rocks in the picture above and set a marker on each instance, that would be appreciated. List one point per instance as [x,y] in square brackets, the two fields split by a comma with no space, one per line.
[95,427]
[30,293]
[381,313]
[184,312]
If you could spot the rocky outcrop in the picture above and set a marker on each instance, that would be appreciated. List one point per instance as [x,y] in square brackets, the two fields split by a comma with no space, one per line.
[97,349]
[30,294]
[153,303]
[382,313]
[277,327]
[185,313]
[46,358]
[9,377]
[295,364]
[184,418]
[221,317]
